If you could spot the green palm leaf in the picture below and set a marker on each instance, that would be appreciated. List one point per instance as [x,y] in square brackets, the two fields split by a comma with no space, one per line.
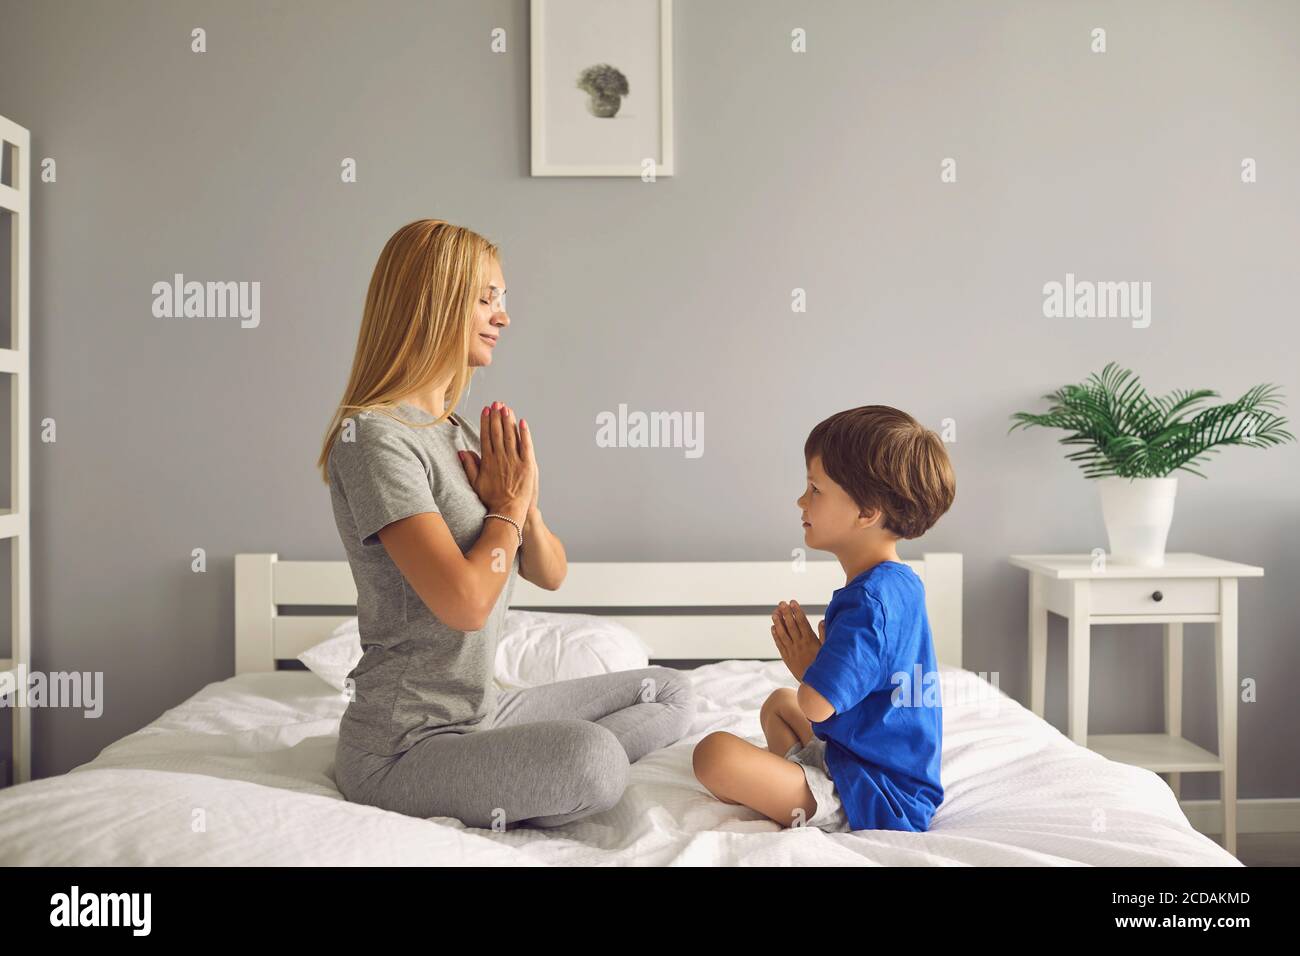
[1129,434]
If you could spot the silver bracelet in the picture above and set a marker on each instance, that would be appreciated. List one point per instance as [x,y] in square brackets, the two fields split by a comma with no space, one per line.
[512,521]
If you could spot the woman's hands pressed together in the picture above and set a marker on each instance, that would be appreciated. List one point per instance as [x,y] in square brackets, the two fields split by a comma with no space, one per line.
[507,482]
[505,477]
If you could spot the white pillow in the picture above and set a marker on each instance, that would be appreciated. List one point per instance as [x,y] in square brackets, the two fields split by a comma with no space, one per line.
[332,659]
[542,647]
[536,647]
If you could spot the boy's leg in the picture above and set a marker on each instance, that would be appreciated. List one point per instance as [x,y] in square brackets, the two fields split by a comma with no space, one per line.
[784,724]
[736,771]
[647,709]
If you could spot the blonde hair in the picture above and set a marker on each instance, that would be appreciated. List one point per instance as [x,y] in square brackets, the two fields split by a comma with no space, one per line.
[417,322]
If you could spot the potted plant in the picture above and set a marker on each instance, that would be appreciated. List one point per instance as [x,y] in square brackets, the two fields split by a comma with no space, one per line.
[1134,443]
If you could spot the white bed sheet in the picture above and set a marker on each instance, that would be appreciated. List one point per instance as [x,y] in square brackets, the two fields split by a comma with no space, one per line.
[240,774]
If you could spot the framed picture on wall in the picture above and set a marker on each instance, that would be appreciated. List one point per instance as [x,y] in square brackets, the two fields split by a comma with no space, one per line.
[602,87]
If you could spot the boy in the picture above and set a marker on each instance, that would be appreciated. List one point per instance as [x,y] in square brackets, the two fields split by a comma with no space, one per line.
[841,753]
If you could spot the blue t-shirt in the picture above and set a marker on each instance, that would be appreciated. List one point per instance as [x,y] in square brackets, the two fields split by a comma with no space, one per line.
[884,757]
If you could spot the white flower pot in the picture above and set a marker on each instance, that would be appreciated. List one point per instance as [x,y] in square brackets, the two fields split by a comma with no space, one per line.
[1138,512]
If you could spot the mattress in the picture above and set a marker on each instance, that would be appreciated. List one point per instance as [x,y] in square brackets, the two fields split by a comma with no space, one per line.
[241,774]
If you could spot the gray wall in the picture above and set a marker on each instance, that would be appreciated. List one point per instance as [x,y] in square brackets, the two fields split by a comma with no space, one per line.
[817,171]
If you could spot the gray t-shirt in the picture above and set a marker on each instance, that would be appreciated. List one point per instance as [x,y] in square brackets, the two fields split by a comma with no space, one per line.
[417,676]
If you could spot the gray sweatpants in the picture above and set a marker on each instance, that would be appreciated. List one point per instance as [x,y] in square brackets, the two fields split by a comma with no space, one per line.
[547,756]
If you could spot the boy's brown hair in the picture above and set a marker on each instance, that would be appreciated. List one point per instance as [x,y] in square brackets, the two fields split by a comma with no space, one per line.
[884,458]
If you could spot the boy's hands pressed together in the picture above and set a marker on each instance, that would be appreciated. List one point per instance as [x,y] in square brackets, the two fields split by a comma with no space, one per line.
[794,637]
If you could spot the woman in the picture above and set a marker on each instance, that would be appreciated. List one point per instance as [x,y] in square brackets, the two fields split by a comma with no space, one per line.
[436,523]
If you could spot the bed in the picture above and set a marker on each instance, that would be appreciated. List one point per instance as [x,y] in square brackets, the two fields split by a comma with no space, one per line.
[241,772]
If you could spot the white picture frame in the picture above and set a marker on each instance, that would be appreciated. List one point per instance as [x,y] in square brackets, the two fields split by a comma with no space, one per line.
[570,37]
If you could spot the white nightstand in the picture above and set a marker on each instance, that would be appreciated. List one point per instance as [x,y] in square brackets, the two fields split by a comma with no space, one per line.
[1189,588]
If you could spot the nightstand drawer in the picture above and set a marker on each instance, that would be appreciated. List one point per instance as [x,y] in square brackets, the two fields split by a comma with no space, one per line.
[1155,596]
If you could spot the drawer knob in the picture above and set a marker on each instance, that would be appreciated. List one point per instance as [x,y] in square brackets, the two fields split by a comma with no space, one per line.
[1157,596]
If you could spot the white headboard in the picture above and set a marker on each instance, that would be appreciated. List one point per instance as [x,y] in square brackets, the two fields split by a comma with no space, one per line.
[738,597]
